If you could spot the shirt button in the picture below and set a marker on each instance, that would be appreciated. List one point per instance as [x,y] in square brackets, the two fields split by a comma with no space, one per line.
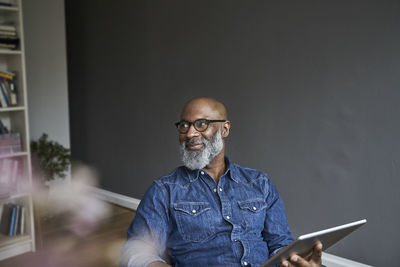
[245,263]
[215,190]
[202,173]
[194,211]
[220,189]
[254,208]
[228,217]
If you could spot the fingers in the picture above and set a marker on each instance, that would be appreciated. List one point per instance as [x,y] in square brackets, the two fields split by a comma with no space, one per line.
[313,260]
[295,261]
[284,263]
[298,261]
[317,253]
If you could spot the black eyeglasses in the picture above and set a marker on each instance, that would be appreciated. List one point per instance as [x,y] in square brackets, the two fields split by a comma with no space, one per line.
[200,125]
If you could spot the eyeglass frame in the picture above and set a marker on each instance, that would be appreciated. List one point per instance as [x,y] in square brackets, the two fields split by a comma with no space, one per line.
[194,125]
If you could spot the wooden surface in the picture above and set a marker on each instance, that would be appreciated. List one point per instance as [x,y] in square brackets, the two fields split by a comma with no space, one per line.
[59,247]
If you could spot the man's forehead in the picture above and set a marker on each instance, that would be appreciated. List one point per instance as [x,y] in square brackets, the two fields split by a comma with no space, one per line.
[201,108]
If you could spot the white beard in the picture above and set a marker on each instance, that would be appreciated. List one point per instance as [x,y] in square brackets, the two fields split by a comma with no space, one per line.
[199,159]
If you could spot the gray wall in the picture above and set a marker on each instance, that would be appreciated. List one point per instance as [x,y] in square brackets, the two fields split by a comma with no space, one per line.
[312,89]
[46,69]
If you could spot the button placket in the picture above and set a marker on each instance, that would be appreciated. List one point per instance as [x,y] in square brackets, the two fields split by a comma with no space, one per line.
[226,207]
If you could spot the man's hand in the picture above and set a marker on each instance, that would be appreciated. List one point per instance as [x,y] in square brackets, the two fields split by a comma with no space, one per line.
[311,260]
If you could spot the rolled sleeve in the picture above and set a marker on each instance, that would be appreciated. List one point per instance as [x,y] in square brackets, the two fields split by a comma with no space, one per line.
[276,228]
[136,253]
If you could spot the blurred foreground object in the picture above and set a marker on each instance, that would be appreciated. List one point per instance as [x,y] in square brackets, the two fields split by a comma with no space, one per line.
[72,210]
[73,203]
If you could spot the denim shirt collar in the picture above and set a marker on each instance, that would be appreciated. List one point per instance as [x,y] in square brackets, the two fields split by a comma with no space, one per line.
[230,172]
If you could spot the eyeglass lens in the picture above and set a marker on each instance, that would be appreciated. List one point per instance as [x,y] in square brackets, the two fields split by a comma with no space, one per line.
[199,125]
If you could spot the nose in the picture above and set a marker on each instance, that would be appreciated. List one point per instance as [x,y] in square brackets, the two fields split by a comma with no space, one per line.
[192,132]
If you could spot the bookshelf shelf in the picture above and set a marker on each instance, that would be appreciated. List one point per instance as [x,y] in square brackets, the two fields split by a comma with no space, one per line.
[15,158]
[6,240]
[12,155]
[14,247]
[8,9]
[10,52]
[10,109]
[13,197]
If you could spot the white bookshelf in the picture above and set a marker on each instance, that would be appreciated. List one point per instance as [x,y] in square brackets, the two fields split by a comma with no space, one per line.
[16,119]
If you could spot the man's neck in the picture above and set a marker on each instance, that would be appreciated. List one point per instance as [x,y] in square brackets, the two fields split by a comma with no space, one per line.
[217,167]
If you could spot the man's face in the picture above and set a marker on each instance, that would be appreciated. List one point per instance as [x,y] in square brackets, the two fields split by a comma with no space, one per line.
[195,111]
[197,148]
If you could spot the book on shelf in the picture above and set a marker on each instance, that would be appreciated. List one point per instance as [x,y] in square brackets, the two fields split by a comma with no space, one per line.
[7,33]
[7,3]
[16,222]
[10,143]
[9,173]
[8,36]
[9,28]
[22,223]
[12,219]
[3,97]
[8,89]
[9,42]
[4,191]
[3,129]
[7,46]
[7,75]
[6,219]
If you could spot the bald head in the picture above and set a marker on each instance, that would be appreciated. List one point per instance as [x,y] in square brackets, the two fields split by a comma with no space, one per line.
[204,107]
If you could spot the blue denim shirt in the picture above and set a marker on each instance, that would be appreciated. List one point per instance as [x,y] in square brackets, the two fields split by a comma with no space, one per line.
[240,221]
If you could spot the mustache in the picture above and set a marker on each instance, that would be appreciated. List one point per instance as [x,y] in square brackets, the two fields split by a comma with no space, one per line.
[194,141]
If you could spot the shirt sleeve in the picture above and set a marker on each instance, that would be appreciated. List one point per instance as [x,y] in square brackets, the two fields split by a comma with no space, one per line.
[276,231]
[148,232]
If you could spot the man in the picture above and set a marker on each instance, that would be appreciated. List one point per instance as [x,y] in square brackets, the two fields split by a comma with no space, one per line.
[209,212]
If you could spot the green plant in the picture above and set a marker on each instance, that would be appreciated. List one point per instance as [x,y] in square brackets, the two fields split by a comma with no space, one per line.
[51,158]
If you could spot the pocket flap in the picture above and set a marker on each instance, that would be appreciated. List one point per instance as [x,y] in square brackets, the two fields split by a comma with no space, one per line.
[192,208]
[253,205]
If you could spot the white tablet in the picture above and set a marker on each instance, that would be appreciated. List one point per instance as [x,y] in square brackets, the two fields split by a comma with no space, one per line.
[304,244]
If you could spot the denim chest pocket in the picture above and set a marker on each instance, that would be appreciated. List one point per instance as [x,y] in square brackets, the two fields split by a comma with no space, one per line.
[194,220]
[253,211]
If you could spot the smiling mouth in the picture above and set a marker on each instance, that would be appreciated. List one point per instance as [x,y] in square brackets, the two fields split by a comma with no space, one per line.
[197,146]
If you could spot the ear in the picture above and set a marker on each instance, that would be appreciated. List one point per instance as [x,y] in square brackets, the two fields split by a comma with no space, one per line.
[226,126]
